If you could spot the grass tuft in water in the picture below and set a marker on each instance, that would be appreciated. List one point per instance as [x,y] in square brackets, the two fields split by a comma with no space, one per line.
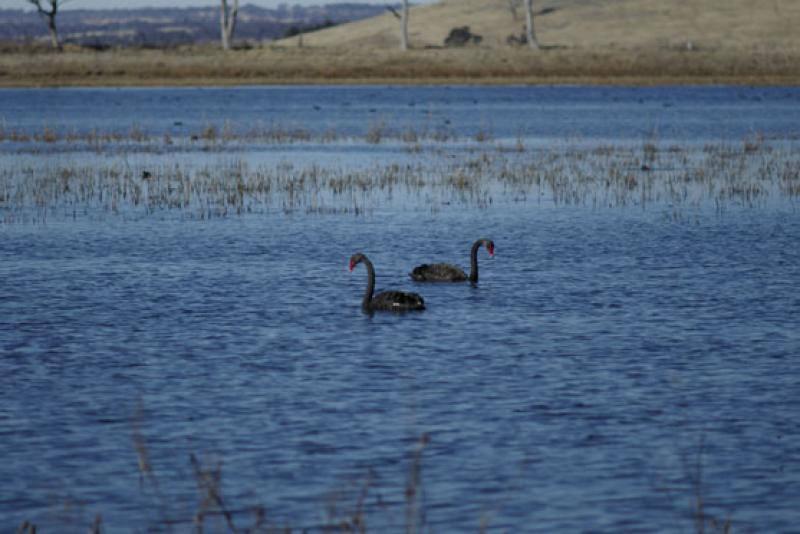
[675,178]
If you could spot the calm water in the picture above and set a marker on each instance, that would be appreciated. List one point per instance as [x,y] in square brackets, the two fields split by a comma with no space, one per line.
[548,113]
[610,365]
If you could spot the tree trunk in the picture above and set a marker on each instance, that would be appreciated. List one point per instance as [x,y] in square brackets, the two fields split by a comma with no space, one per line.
[404,26]
[51,25]
[530,34]
[50,15]
[227,22]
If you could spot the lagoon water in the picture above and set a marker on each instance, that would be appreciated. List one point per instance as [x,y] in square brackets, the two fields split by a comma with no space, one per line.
[612,364]
[686,114]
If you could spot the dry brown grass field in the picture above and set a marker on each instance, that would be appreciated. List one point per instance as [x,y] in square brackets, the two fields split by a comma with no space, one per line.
[639,42]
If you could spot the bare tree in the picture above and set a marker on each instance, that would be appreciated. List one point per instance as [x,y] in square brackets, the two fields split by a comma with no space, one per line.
[50,16]
[227,22]
[404,27]
[529,33]
[403,18]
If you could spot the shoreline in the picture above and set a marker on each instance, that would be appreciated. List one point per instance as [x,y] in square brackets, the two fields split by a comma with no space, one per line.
[112,83]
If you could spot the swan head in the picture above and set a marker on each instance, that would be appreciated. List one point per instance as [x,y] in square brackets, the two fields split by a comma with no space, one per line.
[355,259]
[489,244]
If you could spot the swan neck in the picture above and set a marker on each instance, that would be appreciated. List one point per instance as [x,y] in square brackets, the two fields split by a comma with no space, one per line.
[370,284]
[473,262]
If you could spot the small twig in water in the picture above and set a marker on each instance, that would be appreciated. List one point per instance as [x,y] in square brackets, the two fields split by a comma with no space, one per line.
[414,489]
[209,482]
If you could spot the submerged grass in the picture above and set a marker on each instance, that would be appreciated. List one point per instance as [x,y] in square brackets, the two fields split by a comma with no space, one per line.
[349,509]
[750,173]
[210,137]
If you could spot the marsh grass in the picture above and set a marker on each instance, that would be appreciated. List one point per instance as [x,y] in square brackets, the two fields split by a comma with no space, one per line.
[675,178]
[214,137]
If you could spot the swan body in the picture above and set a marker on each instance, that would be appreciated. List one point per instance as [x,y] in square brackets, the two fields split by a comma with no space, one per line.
[438,272]
[444,272]
[396,301]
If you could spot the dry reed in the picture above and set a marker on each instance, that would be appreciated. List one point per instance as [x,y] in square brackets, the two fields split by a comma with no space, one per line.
[750,174]
[277,65]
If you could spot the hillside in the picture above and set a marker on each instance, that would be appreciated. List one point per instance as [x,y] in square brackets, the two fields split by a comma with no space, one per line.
[632,42]
[710,24]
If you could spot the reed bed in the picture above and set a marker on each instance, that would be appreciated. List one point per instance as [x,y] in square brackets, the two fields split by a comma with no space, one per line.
[751,173]
[212,137]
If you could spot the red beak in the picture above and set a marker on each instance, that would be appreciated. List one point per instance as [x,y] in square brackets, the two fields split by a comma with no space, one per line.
[491,251]
[352,265]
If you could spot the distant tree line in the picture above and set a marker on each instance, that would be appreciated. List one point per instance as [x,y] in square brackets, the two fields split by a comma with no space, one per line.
[48,9]
[167,25]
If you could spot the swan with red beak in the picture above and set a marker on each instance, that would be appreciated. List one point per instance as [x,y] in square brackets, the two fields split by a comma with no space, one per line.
[396,301]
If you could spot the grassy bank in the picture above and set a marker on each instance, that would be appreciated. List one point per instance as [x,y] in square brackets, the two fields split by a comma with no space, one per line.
[207,65]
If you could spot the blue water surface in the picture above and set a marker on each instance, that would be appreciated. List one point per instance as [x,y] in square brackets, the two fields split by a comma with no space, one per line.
[612,368]
[618,113]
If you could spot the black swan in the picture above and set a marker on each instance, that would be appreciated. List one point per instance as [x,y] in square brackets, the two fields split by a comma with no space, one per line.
[387,300]
[444,272]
